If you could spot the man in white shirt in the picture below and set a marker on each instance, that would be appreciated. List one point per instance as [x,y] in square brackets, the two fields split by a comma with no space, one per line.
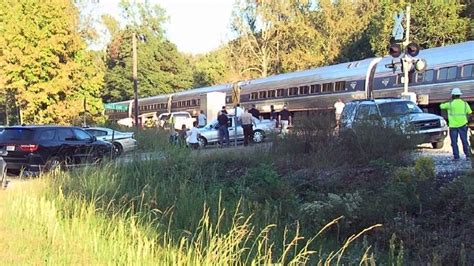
[193,136]
[247,121]
[339,106]
[202,119]
[238,110]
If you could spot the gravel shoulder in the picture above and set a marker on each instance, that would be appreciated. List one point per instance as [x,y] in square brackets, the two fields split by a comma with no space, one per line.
[443,158]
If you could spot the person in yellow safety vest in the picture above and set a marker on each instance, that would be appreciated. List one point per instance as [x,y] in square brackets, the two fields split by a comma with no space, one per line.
[458,111]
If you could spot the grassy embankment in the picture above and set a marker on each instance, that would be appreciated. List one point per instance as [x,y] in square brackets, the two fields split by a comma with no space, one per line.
[263,204]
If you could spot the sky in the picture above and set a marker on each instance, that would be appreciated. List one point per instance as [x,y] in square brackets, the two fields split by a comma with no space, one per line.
[195,26]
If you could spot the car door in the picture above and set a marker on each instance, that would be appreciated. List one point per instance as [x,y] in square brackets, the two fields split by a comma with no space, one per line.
[70,149]
[87,150]
[232,129]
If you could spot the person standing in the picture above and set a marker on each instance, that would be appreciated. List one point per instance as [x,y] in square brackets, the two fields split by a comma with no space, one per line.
[223,110]
[274,115]
[238,110]
[254,112]
[285,119]
[223,122]
[182,136]
[194,136]
[202,119]
[339,106]
[247,121]
[458,111]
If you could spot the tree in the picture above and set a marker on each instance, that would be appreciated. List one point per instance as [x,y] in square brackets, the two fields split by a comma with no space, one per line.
[211,68]
[44,63]
[161,68]
[433,23]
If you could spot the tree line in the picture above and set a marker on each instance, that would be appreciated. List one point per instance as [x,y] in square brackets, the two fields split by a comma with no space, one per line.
[49,75]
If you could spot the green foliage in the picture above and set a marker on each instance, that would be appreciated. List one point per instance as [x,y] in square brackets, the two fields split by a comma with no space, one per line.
[211,68]
[433,23]
[318,213]
[44,63]
[161,68]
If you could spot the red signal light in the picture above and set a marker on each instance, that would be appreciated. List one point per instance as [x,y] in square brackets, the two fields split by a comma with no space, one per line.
[29,147]
[395,50]
[413,49]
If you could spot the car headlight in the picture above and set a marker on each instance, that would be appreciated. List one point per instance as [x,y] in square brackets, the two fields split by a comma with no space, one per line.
[443,122]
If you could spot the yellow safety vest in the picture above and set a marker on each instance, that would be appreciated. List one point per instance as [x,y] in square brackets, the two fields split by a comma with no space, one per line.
[457,112]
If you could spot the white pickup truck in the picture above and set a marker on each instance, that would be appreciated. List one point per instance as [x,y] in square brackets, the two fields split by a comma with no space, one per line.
[179,119]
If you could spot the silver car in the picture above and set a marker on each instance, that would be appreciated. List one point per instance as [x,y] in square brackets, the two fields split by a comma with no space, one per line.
[123,141]
[210,133]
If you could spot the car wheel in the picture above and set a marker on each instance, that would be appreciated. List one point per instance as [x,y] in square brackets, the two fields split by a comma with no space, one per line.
[118,149]
[54,164]
[438,145]
[202,142]
[258,136]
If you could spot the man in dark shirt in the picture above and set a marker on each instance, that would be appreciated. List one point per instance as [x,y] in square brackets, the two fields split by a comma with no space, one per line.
[223,110]
[254,112]
[223,121]
[285,119]
[273,115]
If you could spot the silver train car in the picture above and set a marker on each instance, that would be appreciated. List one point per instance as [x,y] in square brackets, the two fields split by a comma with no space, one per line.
[318,88]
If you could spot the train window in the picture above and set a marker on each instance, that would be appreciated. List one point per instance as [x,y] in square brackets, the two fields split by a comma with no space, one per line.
[188,103]
[452,72]
[262,95]
[293,91]
[467,71]
[198,101]
[315,88]
[327,87]
[271,94]
[447,73]
[340,86]
[280,92]
[254,96]
[428,76]
[304,89]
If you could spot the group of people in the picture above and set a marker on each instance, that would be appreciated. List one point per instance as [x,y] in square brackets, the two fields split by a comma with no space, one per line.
[458,112]
[247,119]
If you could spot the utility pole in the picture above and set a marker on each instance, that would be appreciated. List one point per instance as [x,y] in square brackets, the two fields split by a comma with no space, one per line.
[134,76]
[84,123]
[406,61]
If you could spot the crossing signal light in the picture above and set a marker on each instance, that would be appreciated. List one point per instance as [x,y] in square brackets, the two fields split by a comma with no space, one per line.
[395,50]
[420,65]
[413,49]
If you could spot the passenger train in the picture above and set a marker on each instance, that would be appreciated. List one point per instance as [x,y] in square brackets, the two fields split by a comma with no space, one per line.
[318,88]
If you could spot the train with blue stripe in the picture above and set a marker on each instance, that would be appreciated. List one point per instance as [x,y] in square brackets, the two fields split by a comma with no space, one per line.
[318,88]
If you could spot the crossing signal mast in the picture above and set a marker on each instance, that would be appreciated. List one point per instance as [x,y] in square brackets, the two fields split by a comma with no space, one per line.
[409,61]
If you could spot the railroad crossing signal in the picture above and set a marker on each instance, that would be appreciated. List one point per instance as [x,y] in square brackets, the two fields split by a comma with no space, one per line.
[235,94]
[398,30]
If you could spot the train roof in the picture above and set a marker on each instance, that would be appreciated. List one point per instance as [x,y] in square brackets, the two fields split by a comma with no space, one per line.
[319,74]
[438,56]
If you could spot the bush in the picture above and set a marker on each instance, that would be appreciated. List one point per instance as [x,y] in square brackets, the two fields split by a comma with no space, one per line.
[316,142]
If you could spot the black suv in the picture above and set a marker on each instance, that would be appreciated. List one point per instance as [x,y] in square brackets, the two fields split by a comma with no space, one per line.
[41,148]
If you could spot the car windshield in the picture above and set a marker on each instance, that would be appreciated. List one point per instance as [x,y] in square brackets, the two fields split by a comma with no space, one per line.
[164,117]
[398,108]
[16,134]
